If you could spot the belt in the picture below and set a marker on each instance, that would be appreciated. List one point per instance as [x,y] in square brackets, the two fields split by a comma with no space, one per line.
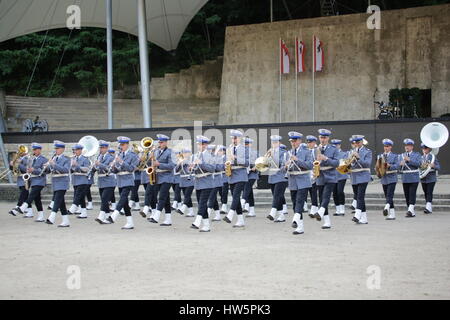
[34,176]
[185,175]
[175,174]
[101,175]
[218,173]
[58,175]
[238,167]
[201,175]
[410,171]
[122,173]
[359,170]
[274,169]
[389,172]
[79,174]
[325,168]
[161,171]
[296,173]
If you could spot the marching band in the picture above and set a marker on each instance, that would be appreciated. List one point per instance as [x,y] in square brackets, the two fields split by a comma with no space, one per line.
[318,167]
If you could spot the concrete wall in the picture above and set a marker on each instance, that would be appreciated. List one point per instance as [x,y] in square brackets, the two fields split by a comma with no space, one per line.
[412,49]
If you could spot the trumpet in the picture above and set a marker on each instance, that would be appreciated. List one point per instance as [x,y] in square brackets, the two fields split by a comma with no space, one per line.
[46,165]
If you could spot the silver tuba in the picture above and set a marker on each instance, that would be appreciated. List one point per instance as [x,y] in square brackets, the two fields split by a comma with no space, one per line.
[434,135]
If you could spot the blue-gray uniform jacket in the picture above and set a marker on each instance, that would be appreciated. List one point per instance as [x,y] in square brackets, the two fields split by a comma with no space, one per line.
[360,169]
[79,170]
[391,172]
[410,171]
[23,164]
[277,172]
[222,160]
[342,155]
[105,180]
[431,176]
[239,165]
[300,179]
[328,173]
[38,178]
[186,180]
[164,172]
[176,175]
[124,172]
[313,158]
[60,173]
[253,174]
[219,171]
[203,172]
[145,179]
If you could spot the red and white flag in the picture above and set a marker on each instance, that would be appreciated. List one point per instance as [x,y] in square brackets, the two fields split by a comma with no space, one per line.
[284,58]
[319,57]
[300,55]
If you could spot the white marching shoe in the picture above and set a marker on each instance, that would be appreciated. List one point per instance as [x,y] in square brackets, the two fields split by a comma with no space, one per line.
[155,218]
[326,222]
[313,211]
[428,208]
[136,207]
[113,206]
[29,213]
[78,209]
[363,219]
[411,212]
[342,209]
[175,205]
[73,208]
[182,209]
[217,216]
[272,214]
[386,209]
[89,206]
[229,217]
[285,209]
[210,212]
[339,210]
[23,208]
[247,207]
[65,222]
[113,217]
[251,212]
[305,207]
[129,225]
[299,229]
[240,221]
[295,220]
[357,217]
[197,222]
[167,220]
[354,204]
[40,217]
[101,217]
[190,212]
[281,217]
[50,206]
[206,227]
[224,208]
[144,212]
[51,218]
[83,214]
[320,214]
[391,214]
[242,203]
[131,203]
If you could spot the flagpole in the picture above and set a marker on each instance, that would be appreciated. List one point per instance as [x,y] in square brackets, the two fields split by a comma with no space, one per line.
[296,79]
[280,67]
[313,75]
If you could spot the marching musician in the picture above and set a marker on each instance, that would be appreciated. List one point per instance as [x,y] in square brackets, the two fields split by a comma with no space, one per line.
[248,199]
[37,182]
[164,164]
[277,177]
[390,178]
[202,167]
[213,204]
[311,143]
[428,182]
[285,208]
[221,153]
[59,168]
[124,165]
[239,159]
[338,192]
[186,184]
[106,182]
[79,168]
[409,168]
[298,165]
[360,175]
[151,195]
[327,155]
[89,205]
[176,186]
[354,187]
[112,153]
[134,197]
[23,162]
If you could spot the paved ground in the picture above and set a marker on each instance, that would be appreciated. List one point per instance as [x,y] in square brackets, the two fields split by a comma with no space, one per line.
[264,261]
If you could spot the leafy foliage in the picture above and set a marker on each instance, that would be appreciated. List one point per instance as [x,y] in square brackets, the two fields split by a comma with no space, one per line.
[73,63]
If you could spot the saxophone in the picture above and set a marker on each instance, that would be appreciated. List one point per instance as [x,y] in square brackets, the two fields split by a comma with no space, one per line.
[228,170]
[316,166]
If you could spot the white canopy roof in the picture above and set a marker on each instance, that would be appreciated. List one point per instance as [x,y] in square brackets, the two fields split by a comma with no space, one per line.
[166,19]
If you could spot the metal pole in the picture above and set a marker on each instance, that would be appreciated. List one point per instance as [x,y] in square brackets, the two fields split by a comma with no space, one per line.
[271,10]
[296,79]
[144,66]
[280,70]
[313,75]
[109,62]
[5,159]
